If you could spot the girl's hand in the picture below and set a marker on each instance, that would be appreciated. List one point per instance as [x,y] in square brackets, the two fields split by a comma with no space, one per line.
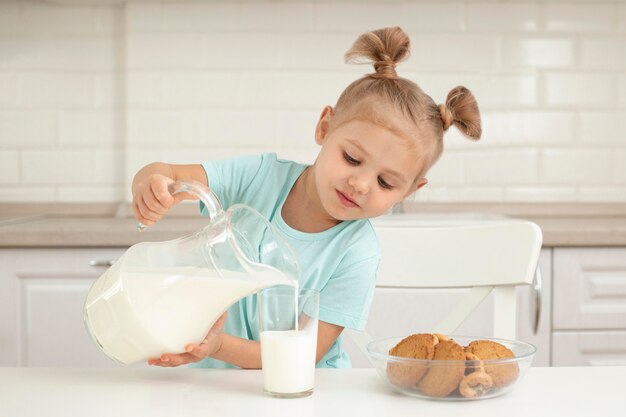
[152,199]
[195,353]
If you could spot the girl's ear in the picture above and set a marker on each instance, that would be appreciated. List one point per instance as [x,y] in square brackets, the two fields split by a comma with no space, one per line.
[419,184]
[322,128]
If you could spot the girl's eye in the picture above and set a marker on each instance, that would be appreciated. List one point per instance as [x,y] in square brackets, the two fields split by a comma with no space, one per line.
[350,159]
[384,183]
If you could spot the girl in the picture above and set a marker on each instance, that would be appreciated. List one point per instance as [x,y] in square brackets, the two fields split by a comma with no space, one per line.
[377,144]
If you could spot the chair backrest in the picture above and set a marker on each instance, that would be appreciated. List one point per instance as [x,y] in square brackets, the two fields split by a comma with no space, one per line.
[486,256]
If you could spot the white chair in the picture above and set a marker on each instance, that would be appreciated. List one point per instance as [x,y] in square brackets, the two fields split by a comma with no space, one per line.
[486,256]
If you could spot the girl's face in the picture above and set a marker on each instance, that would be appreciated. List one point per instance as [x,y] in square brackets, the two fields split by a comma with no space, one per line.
[364,168]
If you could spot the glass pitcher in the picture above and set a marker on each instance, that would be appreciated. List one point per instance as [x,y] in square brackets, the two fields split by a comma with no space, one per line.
[160,296]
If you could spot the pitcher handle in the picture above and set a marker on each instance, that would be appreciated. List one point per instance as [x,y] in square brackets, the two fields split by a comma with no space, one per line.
[204,193]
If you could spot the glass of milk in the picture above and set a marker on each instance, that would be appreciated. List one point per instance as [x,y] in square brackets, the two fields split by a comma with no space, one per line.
[288,320]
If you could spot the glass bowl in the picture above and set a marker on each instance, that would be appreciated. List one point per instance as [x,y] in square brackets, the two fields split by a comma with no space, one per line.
[452,380]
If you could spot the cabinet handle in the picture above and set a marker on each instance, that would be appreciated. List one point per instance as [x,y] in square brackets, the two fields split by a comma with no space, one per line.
[537,290]
[101,262]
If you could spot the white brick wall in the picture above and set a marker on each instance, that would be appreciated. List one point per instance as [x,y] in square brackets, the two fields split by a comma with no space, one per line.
[90,94]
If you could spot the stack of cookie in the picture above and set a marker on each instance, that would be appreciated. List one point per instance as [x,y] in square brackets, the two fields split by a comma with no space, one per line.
[451,369]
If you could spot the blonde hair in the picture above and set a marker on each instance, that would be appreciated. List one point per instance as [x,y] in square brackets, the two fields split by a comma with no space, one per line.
[384,48]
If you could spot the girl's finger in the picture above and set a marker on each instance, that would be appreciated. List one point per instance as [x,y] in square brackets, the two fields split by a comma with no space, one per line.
[154,204]
[146,211]
[162,194]
[140,216]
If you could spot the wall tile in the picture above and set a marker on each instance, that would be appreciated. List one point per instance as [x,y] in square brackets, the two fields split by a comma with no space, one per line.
[619,167]
[448,171]
[22,194]
[57,167]
[347,17]
[200,17]
[239,128]
[604,53]
[88,129]
[54,18]
[17,53]
[9,167]
[144,89]
[276,17]
[110,20]
[108,166]
[317,51]
[621,18]
[581,90]
[579,18]
[8,90]
[28,128]
[71,53]
[503,17]
[622,90]
[110,90]
[540,194]
[602,194]
[603,128]
[538,52]
[165,51]
[144,17]
[195,89]
[452,52]
[9,15]
[539,128]
[575,166]
[299,90]
[153,128]
[502,167]
[56,90]
[438,17]
[296,129]
[455,194]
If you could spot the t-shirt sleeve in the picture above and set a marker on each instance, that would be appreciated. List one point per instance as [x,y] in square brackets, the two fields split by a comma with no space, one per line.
[230,178]
[347,297]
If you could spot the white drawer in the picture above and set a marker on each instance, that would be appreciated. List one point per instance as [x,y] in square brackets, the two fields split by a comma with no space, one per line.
[595,348]
[589,288]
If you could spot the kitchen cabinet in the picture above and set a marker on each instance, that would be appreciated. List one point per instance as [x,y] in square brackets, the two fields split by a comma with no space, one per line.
[582,320]
[589,325]
[42,295]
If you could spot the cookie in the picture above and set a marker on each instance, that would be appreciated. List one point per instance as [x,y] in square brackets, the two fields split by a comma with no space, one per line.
[475,385]
[416,346]
[444,377]
[502,374]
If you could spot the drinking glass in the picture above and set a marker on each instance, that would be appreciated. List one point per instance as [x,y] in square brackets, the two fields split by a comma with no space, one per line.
[288,328]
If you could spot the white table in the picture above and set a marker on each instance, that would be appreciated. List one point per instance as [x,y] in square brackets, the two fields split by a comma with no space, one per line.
[154,392]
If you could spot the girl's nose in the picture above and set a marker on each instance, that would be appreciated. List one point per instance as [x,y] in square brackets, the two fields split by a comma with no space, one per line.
[359,183]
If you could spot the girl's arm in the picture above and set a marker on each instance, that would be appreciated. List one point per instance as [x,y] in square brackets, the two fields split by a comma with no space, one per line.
[151,198]
[237,351]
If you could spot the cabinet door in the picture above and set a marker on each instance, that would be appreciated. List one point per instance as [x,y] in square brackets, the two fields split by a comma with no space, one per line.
[43,291]
[589,288]
[595,348]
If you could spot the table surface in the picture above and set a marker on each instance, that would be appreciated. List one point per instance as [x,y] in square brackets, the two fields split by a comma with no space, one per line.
[154,392]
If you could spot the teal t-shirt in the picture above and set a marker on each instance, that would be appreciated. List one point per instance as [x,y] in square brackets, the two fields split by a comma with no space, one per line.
[340,262]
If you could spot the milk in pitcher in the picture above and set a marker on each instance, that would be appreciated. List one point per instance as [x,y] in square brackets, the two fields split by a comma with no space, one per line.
[164,309]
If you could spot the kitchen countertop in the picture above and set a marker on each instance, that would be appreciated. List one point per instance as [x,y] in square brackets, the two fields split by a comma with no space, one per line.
[543,391]
[574,225]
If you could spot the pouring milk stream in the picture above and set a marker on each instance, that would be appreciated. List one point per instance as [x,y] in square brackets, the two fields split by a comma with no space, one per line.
[161,296]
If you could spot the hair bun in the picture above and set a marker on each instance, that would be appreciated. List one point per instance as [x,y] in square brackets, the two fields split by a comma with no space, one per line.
[461,110]
[384,48]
